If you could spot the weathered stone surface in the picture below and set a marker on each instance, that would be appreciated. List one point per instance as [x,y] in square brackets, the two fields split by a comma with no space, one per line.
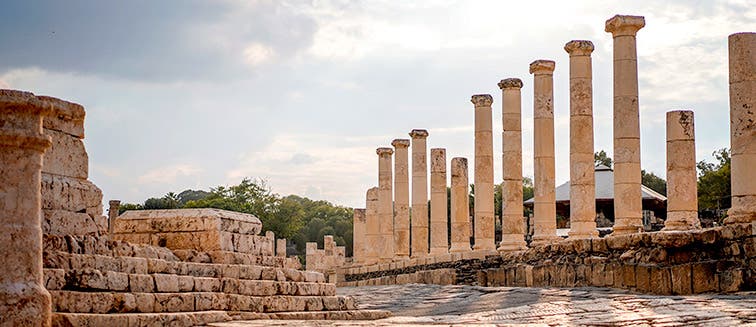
[419,210]
[71,194]
[66,117]
[62,222]
[66,156]
[483,174]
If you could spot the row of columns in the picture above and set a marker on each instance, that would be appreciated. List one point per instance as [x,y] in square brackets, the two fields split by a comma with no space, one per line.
[681,171]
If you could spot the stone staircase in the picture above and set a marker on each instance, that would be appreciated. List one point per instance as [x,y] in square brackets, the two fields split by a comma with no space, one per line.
[95,281]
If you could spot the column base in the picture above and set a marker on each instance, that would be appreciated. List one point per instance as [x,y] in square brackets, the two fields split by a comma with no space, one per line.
[539,240]
[439,251]
[739,215]
[24,304]
[512,242]
[627,226]
[681,221]
[460,248]
[583,229]
[485,245]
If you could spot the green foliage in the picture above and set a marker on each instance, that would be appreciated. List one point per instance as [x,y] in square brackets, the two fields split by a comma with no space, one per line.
[601,158]
[714,182]
[654,182]
[129,206]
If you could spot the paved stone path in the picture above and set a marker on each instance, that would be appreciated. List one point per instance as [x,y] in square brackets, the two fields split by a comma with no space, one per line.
[416,304]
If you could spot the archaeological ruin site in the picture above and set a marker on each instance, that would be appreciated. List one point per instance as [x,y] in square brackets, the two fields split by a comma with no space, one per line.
[67,264]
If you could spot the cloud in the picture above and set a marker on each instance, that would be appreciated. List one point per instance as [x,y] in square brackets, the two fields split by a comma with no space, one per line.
[256,54]
[168,174]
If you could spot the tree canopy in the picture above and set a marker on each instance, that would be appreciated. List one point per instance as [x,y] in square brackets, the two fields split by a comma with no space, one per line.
[714,182]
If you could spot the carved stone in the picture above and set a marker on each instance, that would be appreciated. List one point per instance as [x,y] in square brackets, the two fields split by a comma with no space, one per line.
[682,188]
[512,224]
[484,188]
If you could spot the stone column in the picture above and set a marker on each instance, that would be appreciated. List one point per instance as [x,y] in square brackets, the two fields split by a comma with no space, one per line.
[460,207]
[401,198]
[115,206]
[372,231]
[358,235]
[628,206]
[484,188]
[419,220]
[281,247]
[742,53]
[582,164]
[682,188]
[385,204]
[544,210]
[439,239]
[24,301]
[512,226]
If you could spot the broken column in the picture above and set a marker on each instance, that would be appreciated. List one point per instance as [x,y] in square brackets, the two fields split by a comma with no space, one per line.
[544,210]
[385,204]
[24,301]
[358,235]
[512,223]
[484,188]
[682,188]
[582,172]
[742,53]
[281,247]
[372,231]
[401,198]
[419,220]
[628,208]
[115,207]
[439,239]
[460,207]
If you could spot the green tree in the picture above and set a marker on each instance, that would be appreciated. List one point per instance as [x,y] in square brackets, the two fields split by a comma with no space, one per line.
[601,158]
[654,182]
[714,182]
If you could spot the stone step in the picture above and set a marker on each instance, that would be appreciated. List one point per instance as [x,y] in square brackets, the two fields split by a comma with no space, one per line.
[114,302]
[312,315]
[95,280]
[179,319]
[134,265]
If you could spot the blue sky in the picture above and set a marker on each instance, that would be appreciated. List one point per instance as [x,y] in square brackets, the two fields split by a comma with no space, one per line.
[195,94]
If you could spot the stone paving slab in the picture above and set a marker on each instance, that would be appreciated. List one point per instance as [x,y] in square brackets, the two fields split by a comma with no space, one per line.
[422,305]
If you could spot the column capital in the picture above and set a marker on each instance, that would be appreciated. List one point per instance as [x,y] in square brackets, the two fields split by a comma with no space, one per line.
[400,143]
[482,100]
[510,83]
[579,47]
[384,151]
[418,133]
[620,25]
[542,67]
[114,202]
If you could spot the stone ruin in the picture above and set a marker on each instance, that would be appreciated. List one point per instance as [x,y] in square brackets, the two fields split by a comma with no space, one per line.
[680,259]
[66,264]
[326,260]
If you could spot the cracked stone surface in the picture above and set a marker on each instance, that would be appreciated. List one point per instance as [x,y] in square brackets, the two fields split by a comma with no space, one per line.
[416,304]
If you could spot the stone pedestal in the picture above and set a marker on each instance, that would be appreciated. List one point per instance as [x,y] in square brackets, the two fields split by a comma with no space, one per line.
[742,54]
[419,220]
[439,239]
[682,188]
[24,301]
[484,188]
[401,199]
[628,210]
[358,235]
[372,229]
[512,226]
[544,211]
[114,207]
[460,207]
[385,204]
[582,175]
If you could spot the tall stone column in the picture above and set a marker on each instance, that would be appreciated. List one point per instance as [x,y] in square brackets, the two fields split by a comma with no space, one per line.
[439,239]
[358,236]
[115,206]
[544,211]
[512,222]
[484,188]
[582,170]
[385,204]
[372,227]
[628,206]
[742,53]
[682,188]
[419,220]
[460,207]
[24,301]
[401,199]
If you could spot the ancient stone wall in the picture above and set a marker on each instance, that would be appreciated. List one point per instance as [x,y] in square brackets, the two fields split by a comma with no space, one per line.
[326,260]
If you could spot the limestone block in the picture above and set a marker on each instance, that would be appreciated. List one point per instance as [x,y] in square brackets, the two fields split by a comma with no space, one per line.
[62,222]
[55,279]
[70,194]
[742,65]
[705,278]
[283,303]
[205,284]
[166,283]
[86,278]
[313,304]
[209,301]
[145,302]
[141,283]
[66,156]
[175,302]
[731,280]
[250,272]
[185,283]
[67,117]
[124,302]
[116,281]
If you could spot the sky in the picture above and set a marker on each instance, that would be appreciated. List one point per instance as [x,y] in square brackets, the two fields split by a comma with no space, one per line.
[196,94]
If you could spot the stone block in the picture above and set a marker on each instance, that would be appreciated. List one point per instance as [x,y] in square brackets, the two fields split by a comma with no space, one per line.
[210,301]
[207,284]
[70,194]
[116,281]
[185,283]
[643,278]
[681,279]
[174,302]
[141,283]
[67,117]
[313,303]
[62,222]
[618,242]
[731,280]
[124,302]
[704,277]
[55,279]
[165,283]
[66,156]
[661,280]
[671,239]
[628,275]
[598,275]
[283,303]
[145,302]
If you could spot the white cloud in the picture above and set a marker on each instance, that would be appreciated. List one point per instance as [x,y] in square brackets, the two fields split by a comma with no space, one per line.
[256,54]
[168,174]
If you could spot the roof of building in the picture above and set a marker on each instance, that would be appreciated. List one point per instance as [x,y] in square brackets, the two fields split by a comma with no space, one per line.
[604,188]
